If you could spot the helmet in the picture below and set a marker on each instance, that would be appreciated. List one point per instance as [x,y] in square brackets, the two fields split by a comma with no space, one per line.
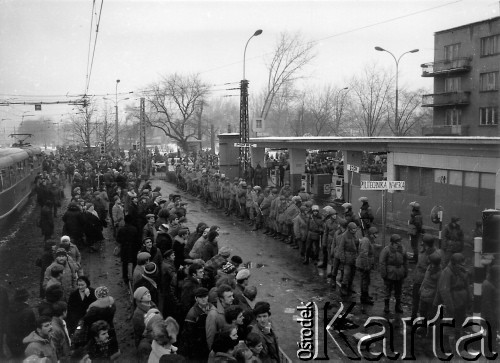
[315,207]
[363,199]
[347,205]
[428,239]
[396,238]
[415,205]
[435,258]
[372,230]
[329,210]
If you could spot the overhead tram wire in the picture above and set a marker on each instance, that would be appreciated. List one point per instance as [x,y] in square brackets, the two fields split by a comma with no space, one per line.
[343,33]
[89,75]
[90,42]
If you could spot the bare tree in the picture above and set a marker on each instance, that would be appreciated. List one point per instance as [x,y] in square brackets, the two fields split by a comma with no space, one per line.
[298,123]
[107,131]
[83,127]
[371,93]
[322,106]
[174,102]
[283,109]
[290,57]
[409,108]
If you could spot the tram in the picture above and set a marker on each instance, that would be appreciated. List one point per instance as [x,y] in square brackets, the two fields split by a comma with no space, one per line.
[18,169]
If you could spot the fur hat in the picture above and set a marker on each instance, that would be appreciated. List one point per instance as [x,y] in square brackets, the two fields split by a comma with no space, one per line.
[61,252]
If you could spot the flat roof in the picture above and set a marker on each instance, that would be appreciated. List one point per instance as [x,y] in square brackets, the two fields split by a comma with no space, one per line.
[381,143]
[381,139]
[468,25]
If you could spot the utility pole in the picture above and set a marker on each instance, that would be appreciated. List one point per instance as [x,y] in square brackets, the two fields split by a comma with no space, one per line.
[117,141]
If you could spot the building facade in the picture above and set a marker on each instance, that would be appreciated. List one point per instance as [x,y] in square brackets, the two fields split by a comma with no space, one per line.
[466,69]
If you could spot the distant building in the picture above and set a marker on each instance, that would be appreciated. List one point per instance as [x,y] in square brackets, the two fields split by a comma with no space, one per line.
[466,80]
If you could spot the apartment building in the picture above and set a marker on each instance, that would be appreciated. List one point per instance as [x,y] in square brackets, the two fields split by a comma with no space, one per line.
[466,69]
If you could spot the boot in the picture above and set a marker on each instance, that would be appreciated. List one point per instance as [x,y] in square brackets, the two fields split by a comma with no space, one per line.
[386,306]
[398,307]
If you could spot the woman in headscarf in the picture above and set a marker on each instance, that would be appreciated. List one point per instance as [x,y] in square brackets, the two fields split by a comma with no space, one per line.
[103,308]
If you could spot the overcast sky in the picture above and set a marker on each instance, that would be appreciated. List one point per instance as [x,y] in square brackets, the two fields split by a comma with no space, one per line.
[44,45]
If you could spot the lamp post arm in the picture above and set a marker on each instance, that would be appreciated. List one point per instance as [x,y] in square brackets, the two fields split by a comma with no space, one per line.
[245,53]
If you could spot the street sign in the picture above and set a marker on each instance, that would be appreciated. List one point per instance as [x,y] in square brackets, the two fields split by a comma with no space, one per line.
[383,185]
[242,144]
[353,168]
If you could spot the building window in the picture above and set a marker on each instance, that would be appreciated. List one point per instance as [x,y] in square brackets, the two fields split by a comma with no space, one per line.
[441,176]
[471,179]
[451,51]
[487,181]
[488,116]
[488,81]
[453,116]
[452,84]
[455,178]
[258,123]
[490,45]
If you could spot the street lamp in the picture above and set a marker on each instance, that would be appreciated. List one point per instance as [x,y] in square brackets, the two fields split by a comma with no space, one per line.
[380,49]
[244,129]
[116,119]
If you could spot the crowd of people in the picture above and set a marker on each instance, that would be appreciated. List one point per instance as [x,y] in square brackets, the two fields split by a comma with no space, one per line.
[192,299]
[346,242]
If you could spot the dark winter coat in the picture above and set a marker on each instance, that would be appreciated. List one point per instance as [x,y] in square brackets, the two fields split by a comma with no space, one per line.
[74,222]
[189,285]
[163,242]
[46,222]
[194,337]
[77,308]
[127,238]
[93,227]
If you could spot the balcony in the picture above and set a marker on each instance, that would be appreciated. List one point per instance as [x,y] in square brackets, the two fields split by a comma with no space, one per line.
[445,67]
[446,130]
[446,99]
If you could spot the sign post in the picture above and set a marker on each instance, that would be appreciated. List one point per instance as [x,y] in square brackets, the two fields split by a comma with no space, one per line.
[353,169]
[384,186]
